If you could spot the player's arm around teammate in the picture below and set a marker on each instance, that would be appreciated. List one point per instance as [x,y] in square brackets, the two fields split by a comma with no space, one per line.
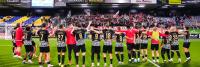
[44,45]
[60,34]
[18,40]
[119,39]
[108,34]
[28,44]
[186,44]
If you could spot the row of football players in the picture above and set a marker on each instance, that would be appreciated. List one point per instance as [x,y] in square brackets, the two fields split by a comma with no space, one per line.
[136,40]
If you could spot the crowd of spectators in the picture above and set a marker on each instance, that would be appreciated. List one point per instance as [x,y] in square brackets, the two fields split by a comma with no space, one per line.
[126,19]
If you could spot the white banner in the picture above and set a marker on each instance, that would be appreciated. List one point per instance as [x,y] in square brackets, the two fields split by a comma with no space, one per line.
[117,1]
[42,3]
[144,1]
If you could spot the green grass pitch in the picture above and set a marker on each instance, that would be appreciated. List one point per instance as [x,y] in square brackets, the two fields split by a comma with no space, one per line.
[7,60]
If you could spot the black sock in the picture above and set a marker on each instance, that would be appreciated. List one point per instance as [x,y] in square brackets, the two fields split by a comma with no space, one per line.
[118,57]
[63,59]
[178,54]
[98,57]
[142,56]
[129,56]
[111,61]
[163,57]
[134,54]
[48,62]
[104,59]
[40,63]
[58,58]
[122,57]
[138,53]
[188,54]
[157,58]
[168,55]
[153,58]
[83,59]
[77,58]
[30,56]
[145,55]
[13,50]
[24,58]
[172,54]
[92,57]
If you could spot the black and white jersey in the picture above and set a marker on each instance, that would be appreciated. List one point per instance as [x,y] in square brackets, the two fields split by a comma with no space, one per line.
[120,37]
[138,37]
[144,38]
[95,36]
[43,35]
[166,42]
[61,36]
[28,38]
[174,38]
[187,37]
[80,35]
[108,34]
[13,35]
[28,35]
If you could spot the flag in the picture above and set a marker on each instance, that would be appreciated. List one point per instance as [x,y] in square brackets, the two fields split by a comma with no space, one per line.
[87,11]
[69,14]
[116,14]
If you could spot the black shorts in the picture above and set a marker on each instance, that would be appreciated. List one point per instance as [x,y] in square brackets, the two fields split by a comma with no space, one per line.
[130,46]
[186,44]
[14,44]
[163,51]
[95,49]
[33,43]
[81,48]
[174,47]
[137,46]
[144,46]
[28,48]
[119,49]
[44,49]
[61,49]
[107,48]
[154,46]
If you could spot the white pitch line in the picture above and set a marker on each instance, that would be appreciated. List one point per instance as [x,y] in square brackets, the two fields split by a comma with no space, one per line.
[5,45]
[153,63]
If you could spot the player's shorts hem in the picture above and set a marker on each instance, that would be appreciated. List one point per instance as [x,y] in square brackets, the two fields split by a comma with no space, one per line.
[174,47]
[186,44]
[130,46]
[119,49]
[61,49]
[144,46]
[81,48]
[154,46]
[44,49]
[96,49]
[29,48]
[107,48]
[137,46]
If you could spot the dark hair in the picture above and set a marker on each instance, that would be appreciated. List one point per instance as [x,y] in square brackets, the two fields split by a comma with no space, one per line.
[128,27]
[61,26]
[44,25]
[167,32]
[187,28]
[28,28]
[18,25]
